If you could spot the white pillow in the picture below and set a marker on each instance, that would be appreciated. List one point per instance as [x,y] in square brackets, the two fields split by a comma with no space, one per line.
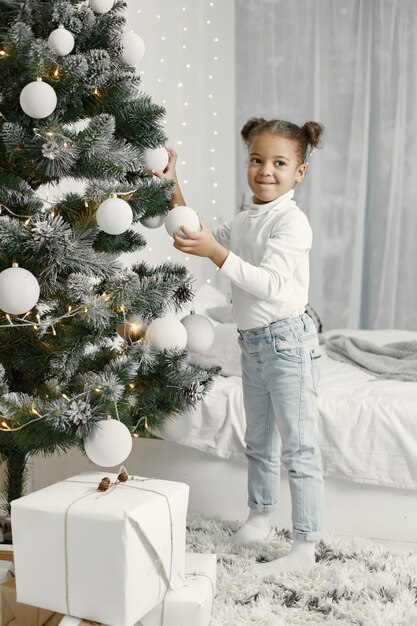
[225,351]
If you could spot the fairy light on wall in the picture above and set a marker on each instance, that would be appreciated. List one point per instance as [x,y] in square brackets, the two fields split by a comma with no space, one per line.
[188,67]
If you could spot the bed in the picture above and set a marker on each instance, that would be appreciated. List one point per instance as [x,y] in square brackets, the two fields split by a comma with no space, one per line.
[368,438]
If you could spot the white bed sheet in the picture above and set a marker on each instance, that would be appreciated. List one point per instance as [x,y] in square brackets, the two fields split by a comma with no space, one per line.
[368,426]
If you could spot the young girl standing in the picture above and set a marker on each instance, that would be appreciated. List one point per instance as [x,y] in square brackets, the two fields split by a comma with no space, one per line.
[264,251]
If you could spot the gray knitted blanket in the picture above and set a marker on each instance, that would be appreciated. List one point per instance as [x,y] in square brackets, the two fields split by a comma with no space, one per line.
[397,361]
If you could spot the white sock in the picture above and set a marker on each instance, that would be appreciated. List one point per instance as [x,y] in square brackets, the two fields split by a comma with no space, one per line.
[301,556]
[256,528]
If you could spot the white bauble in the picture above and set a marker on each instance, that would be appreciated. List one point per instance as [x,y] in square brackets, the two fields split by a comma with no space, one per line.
[114,216]
[19,290]
[61,41]
[156,159]
[101,6]
[153,222]
[133,48]
[166,332]
[182,216]
[110,444]
[200,332]
[38,99]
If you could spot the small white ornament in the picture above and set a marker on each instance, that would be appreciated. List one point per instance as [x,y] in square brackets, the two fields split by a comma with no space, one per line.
[156,159]
[101,6]
[166,333]
[182,216]
[61,41]
[114,216]
[19,290]
[110,444]
[153,222]
[133,48]
[38,99]
[200,332]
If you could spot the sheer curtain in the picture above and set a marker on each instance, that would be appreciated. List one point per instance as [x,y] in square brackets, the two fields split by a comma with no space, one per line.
[351,65]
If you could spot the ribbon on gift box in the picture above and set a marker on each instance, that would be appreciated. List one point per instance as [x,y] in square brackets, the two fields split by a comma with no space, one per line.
[135,526]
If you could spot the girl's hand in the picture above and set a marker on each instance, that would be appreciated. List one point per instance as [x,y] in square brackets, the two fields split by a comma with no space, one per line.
[201,244]
[170,173]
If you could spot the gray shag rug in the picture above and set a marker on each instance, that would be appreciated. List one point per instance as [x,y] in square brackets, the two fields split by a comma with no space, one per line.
[355,582]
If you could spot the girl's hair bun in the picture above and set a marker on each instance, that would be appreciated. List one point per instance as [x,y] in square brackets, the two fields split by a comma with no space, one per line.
[313,132]
[250,126]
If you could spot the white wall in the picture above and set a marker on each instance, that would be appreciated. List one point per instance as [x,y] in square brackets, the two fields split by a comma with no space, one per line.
[188,68]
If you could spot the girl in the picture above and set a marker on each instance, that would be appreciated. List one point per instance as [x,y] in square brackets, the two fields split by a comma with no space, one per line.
[264,251]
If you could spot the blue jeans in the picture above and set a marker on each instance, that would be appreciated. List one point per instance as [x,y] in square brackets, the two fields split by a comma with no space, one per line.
[280,380]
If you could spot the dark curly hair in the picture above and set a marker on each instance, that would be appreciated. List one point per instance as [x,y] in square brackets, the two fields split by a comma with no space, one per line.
[303,136]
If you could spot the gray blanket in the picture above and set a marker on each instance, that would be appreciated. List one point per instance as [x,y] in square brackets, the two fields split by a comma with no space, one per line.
[397,361]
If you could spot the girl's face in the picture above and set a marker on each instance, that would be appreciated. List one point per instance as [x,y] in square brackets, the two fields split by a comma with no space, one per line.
[273,167]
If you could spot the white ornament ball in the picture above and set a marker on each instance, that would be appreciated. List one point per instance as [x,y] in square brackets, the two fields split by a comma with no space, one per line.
[101,6]
[133,48]
[38,99]
[200,332]
[166,332]
[114,216]
[182,216]
[61,41]
[156,159]
[110,444]
[153,222]
[19,290]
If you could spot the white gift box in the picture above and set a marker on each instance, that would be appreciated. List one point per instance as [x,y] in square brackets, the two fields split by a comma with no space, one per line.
[108,557]
[192,604]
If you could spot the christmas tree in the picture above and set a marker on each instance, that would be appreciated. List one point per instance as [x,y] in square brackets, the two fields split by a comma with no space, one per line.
[71,108]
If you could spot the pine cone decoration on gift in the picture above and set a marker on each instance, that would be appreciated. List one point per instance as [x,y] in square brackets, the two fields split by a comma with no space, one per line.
[104,484]
[123,476]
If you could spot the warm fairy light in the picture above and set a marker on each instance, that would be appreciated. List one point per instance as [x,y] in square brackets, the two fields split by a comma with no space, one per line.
[64,395]
[26,222]
[97,389]
[135,435]
[53,331]
[3,53]
[8,318]
[34,411]
[34,327]
[56,73]
[86,309]
[96,91]
[38,317]
[86,204]
[131,386]
[69,308]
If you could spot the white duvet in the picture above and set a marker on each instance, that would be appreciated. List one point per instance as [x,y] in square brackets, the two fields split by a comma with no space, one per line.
[368,427]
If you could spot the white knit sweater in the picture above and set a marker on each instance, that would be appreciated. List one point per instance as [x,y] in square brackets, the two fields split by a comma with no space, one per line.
[268,262]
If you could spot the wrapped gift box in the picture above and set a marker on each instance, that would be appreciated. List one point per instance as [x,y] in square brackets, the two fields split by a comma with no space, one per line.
[108,557]
[192,604]
[15,614]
